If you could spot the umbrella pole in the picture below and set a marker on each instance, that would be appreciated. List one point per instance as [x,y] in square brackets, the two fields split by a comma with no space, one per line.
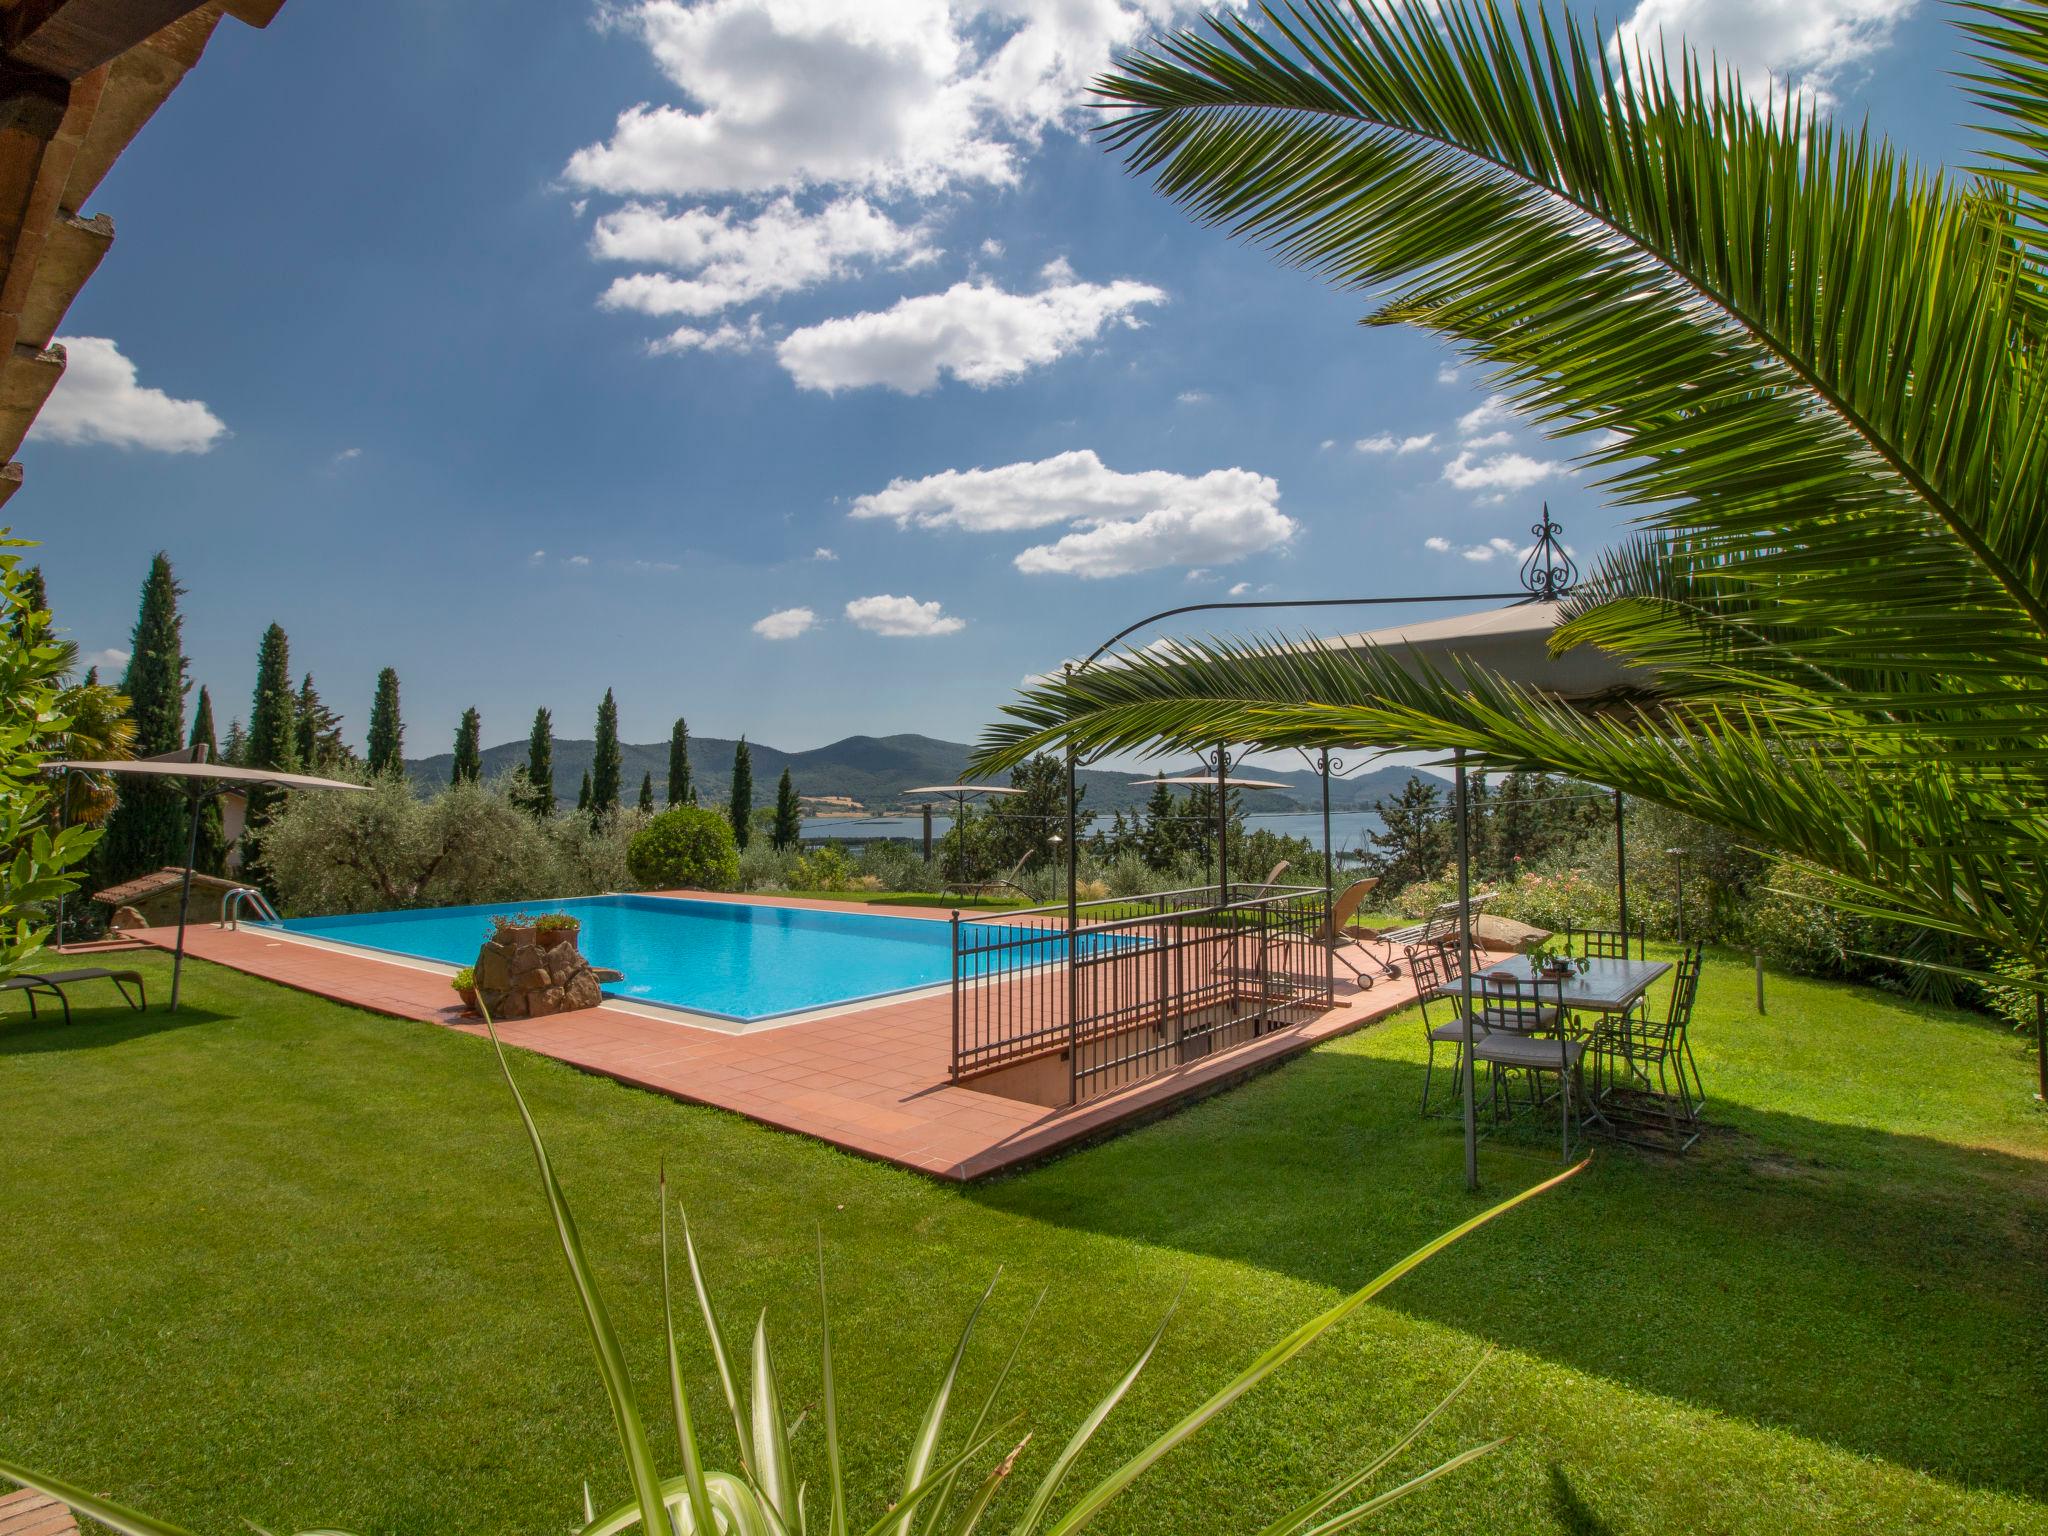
[185,898]
[1222,826]
[63,822]
[1329,887]
[1465,978]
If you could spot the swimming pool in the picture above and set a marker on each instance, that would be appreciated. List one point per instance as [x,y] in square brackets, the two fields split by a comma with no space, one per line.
[736,960]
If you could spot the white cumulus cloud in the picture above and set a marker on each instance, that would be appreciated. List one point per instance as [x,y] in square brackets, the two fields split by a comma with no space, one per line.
[902,616]
[99,400]
[1774,45]
[979,333]
[910,95]
[1492,549]
[1501,471]
[822,553]
[1489,413]
[1123,522]
[790,134]
[734,260]
[785,623]
[1386,442]
[110,661]
[727,337]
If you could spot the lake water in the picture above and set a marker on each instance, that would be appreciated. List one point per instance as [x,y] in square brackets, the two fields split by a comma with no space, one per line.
[1348,829]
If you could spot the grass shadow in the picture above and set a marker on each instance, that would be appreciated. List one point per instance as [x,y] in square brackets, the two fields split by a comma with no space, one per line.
[93,1028]
[1870,1290]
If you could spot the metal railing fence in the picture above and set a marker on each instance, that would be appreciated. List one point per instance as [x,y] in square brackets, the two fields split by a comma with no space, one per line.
[1140,984]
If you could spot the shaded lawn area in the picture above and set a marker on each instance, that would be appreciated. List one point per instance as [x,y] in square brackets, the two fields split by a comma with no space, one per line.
[281,1259]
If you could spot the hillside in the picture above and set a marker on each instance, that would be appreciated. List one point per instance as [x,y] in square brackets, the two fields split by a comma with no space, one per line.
[876,770]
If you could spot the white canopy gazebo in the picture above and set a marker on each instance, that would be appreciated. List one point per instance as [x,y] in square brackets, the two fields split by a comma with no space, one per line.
[202,781]
[1511,641]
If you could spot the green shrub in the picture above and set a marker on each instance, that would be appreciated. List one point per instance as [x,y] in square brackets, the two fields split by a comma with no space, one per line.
[1791,923]
[687,847]
[764,867]
[824,868]
[463,979]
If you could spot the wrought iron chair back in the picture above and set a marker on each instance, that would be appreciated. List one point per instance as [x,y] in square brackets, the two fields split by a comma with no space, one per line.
[1521,1006]
[1432,969]
[1651,1058]
[1608,943]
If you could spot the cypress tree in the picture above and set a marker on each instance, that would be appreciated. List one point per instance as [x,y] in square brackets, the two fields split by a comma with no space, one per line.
[272,739]
[789,816]
[604,763]
[469,750]
[647,791]
[213,842]
[387,731]
[741,807]
[316,730]
[148,828]
[583,795]
[92,677]
[679,792]
[540,765]
[234,747]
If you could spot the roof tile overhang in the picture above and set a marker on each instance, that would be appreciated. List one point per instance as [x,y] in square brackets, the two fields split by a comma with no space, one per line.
[78,80]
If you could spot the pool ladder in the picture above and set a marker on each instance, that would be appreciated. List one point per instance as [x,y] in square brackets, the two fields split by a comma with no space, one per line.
[241,896]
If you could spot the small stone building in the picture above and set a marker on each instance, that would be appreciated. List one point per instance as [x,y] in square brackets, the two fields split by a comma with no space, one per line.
[151,901]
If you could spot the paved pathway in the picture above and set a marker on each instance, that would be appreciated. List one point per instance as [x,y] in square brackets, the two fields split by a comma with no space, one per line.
[872,1081]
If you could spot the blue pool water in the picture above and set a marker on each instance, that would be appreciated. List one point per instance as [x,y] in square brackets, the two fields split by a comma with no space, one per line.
[733,959]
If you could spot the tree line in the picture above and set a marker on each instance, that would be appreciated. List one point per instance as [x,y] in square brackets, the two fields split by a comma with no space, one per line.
[292,729]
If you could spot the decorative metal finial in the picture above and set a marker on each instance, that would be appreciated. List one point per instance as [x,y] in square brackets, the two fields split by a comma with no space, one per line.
[1548,571]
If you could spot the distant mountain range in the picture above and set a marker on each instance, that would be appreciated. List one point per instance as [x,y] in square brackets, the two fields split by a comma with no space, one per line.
[876,770]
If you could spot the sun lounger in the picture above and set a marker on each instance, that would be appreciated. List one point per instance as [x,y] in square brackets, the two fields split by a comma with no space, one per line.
[975,890]
[51,985]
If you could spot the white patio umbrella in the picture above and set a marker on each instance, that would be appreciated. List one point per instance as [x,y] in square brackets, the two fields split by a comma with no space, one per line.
[960,792]
[202,781]
[1222,783]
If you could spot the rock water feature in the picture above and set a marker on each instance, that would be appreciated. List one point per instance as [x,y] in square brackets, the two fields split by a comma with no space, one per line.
[519,975]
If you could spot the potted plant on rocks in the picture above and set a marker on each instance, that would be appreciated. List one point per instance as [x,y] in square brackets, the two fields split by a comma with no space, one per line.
[464,983]
[552,928]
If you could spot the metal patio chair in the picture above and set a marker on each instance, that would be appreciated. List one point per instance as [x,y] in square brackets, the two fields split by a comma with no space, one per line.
[1432,968]
[1634,1046]
[1526,1034]
[1608,943]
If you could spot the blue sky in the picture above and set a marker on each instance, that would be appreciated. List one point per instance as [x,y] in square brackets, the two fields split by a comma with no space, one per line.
[411,342]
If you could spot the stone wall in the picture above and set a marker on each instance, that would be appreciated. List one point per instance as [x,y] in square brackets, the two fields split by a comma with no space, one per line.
[518,979]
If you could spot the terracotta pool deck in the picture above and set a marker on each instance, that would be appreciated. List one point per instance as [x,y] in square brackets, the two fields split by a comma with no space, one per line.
[872,1081]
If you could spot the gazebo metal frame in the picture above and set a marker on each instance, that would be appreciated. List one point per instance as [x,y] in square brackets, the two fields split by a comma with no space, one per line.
[1548,574]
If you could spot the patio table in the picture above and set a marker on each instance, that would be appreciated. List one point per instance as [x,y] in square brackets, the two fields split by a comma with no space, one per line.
[1605,986]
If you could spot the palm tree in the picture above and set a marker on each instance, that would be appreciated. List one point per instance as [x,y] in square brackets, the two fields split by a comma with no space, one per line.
[1817,367]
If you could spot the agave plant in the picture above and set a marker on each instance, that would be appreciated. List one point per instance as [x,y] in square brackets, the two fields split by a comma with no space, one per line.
[1819,367]
[946,1489]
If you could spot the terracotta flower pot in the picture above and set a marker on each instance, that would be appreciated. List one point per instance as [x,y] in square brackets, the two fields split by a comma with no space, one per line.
[468,996]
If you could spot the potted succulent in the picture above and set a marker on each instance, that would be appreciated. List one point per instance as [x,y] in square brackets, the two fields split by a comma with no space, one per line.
[506,928]
[552,928]
[464,983]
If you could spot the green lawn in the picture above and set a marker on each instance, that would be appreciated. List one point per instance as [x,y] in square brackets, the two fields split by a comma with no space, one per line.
[283,1260]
